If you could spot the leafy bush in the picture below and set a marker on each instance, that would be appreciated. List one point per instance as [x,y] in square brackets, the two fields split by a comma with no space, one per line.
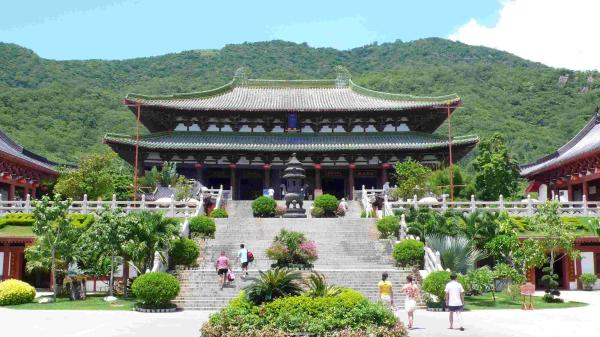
[329,203]
[408,253]
[184,252]
[318,287]
[365,214]
[292,249]
[480,280]
[273,284]
[15,292]
[435,283]
[317,212]
[456,253]
[16,219]
[81,220]
[155,290]
[588,279]
[219,213]
[347,314]
[203,225]
[388,226]
[264,207]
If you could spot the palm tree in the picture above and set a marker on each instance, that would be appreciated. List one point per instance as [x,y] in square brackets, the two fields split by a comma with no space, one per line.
[458,254]
[318,287]
[273,284]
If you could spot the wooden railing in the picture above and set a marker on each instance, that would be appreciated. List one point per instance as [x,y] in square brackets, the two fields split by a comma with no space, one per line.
[527,207]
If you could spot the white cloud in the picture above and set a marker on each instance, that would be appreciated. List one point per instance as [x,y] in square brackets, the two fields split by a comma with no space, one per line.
[559,33]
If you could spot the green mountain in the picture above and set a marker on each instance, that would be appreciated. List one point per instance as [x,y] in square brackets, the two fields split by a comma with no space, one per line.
[62,109]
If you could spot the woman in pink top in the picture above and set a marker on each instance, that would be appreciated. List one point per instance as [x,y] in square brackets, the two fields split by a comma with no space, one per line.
[222,267]
[412,291]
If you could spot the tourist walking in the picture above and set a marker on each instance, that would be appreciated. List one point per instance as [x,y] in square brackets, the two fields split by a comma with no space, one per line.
[455,300]
[222,266]
[243,260]
[386,293]
[412,291]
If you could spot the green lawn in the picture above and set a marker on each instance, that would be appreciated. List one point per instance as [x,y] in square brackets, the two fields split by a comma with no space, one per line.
[10,230]
[94,302]
[503,301]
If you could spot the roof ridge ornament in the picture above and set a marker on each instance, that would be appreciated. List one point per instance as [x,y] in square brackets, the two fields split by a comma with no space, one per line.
[241,76]
[342,78]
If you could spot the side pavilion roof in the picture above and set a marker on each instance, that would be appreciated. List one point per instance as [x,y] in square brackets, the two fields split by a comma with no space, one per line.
[585,144]
[14,152]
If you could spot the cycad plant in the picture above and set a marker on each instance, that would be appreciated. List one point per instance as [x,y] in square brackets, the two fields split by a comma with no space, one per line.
[273,284]
[318,287]
[457,253]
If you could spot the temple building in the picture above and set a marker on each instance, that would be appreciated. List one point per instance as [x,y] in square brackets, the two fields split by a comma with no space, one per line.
[22,172]
[240,134]
[573,171]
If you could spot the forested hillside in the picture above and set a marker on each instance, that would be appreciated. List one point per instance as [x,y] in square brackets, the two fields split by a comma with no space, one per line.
[62,109]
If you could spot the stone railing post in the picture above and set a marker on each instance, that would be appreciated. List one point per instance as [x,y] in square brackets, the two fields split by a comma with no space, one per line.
[113,203]
[529,205]
[473,205]
[84,205]
[28,204]
[403,229]
[444,203]
[143,202]
[172,206]
[501,202]
[585,205]
[415,202]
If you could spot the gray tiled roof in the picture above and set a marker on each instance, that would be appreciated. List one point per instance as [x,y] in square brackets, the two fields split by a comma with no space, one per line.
[586,142]
[9,147]
[299,142]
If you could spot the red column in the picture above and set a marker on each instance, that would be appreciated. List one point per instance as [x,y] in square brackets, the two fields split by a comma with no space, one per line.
[267,180]
[351,168]
[33,193]
[585,189]
[25,192]
[6,262]
[232,181]
[318,189]
[11,192]
[199,173]
[384,173]
[570,192]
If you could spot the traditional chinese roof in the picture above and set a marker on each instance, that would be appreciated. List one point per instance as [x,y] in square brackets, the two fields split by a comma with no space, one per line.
[243,94]
[585,144]
[11,150]
[290,142]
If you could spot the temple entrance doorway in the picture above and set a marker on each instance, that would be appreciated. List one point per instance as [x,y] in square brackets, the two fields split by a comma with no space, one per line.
[334,183]
[250,184]
[214,178]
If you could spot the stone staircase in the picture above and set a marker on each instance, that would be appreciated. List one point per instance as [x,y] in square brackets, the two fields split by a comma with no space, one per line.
[350,255]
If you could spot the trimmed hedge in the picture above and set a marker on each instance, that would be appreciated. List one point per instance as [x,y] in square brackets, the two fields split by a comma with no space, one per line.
[388,226]
[16,292]
[184,252]
[219,213]
[202,225]
[317,212]
[264,207]
[16,219]
[155,290]
[409,253]
[329,203]
[435,283]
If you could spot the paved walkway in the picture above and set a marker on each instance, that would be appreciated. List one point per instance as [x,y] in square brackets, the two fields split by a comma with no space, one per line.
[581,322]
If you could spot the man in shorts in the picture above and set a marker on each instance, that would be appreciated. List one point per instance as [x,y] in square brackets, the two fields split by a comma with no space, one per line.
[455,300]
[222,267]
[243,259]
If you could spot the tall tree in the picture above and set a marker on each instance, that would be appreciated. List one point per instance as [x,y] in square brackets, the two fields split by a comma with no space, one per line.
[497,172]
[411,178]
[106,237]
[55,234]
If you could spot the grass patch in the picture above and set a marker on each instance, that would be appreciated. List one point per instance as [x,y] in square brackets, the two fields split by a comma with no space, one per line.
[503,301]
[10,230]
[93,302]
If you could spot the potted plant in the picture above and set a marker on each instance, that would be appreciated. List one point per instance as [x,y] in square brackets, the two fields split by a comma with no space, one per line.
[588,280]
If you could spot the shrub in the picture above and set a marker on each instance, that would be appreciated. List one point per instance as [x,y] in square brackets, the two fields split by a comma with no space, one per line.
[219,213]
[16,219]
[203,225]
[317,212]
[279,211]
[15,292]
[365,214]
[81,220]
[184,252]
[292,249]
[408,253]
[155,290]
[480,280]
[273,284]
[588,279]
[347,314]
[263,207]
[435,283]
[388,226]
[329,203]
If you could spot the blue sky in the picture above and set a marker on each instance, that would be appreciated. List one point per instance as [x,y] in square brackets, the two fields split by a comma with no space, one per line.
[119,29]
